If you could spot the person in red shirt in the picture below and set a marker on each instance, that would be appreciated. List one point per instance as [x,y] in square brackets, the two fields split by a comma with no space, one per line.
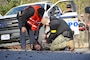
[30,20]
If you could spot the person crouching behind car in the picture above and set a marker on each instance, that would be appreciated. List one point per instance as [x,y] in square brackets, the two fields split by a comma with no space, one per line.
[61,36]
[30,20]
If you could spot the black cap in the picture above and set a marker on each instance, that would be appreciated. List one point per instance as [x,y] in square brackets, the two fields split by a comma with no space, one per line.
[69,6]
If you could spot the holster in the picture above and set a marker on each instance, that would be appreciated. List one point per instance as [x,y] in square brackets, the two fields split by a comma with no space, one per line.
[68,34]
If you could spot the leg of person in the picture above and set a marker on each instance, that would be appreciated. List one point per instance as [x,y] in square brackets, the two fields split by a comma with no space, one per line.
[76,41]
[82,38]
[22,39]
[22,36]
[33,43]
[79,40]
[62,42]
[41,32]
[59,43]
[32,38]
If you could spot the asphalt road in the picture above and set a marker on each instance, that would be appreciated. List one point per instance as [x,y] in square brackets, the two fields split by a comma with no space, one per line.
[44,55]
[18,54]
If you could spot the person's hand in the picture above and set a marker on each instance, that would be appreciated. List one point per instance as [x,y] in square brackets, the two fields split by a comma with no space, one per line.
[44,41]
[45,21]
[44,36]
[23,29]
[37,47]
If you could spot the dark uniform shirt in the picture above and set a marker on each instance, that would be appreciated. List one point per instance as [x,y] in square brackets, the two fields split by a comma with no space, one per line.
[59,25]
[26,14]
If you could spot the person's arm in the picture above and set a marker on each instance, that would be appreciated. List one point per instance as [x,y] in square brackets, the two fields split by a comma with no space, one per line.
[19,14]
[37,32]
[26,14]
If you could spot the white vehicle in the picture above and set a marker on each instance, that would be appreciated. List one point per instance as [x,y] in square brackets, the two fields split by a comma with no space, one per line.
[9,29]
[70,17]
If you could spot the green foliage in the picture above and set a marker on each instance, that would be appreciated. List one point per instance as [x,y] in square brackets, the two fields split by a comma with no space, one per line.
[5,5]
[81,4]
[3,9]
[8,0]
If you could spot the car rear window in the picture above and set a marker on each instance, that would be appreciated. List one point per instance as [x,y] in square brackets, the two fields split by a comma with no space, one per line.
[15,10]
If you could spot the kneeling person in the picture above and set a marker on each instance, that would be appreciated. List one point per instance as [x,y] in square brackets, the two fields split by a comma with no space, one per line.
[61,36]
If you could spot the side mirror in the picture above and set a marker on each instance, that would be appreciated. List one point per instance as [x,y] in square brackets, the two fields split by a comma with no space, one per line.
[87,10]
